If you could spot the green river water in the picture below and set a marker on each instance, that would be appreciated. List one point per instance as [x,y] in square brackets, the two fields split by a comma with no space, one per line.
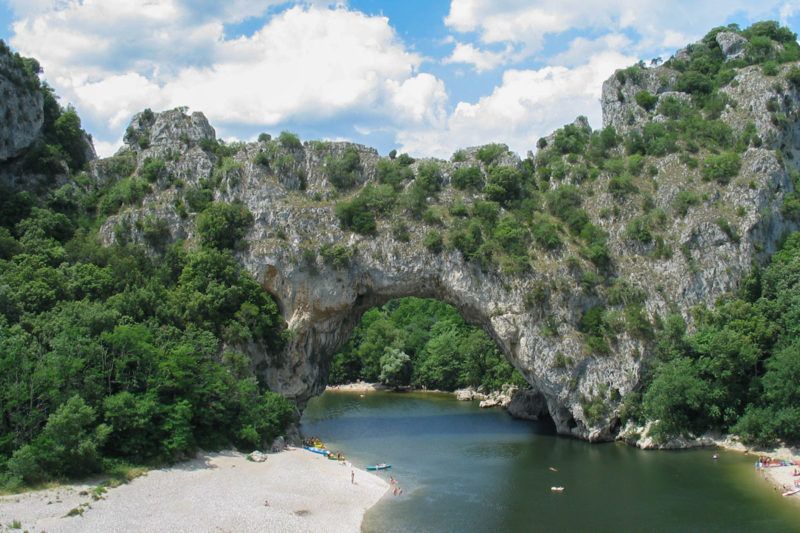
[468,469]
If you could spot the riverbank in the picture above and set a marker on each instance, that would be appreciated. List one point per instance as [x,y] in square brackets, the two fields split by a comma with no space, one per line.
[291,491]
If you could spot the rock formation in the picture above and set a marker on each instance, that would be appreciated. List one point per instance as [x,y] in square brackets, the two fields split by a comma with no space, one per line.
[324,277]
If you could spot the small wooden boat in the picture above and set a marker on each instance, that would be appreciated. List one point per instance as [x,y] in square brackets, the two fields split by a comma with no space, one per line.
[380,466]
[790,492]
[557,489]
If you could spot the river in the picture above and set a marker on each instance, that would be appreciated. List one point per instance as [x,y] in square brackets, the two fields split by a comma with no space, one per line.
[463,468]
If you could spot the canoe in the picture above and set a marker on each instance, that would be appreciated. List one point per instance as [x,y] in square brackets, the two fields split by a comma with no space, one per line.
[790,492]
[321,451]
[381,466]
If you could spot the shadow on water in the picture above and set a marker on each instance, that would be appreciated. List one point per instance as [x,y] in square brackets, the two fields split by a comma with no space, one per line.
[469,469]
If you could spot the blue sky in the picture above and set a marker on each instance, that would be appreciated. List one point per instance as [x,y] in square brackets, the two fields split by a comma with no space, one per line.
[421,76]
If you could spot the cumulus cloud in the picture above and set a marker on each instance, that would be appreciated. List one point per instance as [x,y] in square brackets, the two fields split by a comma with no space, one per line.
[306,63]
[526,23]
[481,60]
[526,105]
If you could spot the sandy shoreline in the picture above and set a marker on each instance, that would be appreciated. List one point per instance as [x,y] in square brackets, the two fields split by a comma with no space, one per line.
[215,492]
[781,478]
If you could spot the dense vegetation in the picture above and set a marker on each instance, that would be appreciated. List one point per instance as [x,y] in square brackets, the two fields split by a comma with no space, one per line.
[126,353]
[424,343]
[740,370]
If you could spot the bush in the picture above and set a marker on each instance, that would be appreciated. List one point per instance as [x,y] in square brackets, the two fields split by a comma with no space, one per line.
[646,100]
[793,77]
[488,154]
[68,446]
[467,178]
[721,168]
[336,255]
[223,225]
[504,184]
[621,186]
[152,169]
[391,172]
[684,200]
[433,241]
[358,214]
[545,231]
[344,172]
[198,198]
[289,140]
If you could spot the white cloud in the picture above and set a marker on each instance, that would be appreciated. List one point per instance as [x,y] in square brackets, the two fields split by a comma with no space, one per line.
[526,23]
[115,57]
[481,60]
[526,105]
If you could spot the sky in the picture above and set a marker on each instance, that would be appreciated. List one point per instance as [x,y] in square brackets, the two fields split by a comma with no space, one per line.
[421,76]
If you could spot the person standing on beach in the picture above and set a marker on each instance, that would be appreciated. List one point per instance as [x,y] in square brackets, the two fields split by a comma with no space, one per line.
[352,477]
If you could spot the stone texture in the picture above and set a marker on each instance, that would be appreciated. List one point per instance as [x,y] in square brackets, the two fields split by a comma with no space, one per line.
[21,108]
[731,44]
[527,404]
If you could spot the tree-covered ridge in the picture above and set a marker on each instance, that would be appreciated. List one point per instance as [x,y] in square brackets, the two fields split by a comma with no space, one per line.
[122,353]
[424,343]
[740,370]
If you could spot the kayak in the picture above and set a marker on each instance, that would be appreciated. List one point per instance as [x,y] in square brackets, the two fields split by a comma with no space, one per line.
[381,466]
[790,492]
[321,451]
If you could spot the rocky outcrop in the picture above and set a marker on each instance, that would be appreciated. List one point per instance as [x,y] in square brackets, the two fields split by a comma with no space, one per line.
[21,106]
[324,277]
[732,44]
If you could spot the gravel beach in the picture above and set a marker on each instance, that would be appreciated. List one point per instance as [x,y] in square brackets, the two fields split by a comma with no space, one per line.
[292,491]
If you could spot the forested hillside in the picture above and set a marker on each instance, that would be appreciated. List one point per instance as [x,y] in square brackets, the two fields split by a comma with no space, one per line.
[121,353]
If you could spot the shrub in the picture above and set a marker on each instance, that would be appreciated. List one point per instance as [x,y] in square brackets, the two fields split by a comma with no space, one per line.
[488,154]
[152,169]
[646,100]
[638,229]
[336,255]
[621,186]
[155,231]
[343,172]
[793,77]
[684,200]
[67,446]
[728,230]
[504,184]
[198,198]
[358,214]
[391,172]
[289,140]
[127,191]
[222,225]
[467,178]
[545,231]
[433,241]
[722,167]
[571,139]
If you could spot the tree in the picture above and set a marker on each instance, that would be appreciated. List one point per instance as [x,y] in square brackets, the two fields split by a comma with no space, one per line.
[223,226]
[395,368]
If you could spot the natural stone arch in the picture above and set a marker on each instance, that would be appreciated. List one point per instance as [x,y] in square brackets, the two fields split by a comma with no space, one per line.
[322,304]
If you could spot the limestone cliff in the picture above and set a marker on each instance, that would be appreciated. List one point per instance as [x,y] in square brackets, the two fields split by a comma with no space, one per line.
[324,277]
[21,105]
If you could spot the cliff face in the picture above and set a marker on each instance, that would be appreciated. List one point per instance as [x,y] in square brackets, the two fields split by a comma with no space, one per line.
[21,106]
[324,277]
